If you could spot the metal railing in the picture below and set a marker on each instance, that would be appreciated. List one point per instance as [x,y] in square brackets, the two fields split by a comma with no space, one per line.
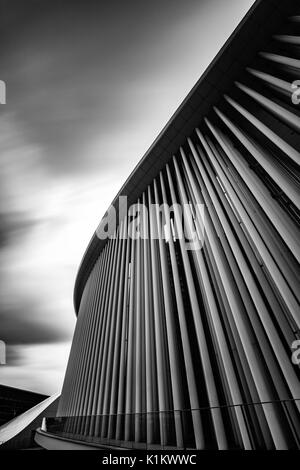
[250,426]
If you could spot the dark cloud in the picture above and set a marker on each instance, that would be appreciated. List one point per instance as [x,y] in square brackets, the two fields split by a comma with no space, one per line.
[71,67]
[26,325]
[14,226]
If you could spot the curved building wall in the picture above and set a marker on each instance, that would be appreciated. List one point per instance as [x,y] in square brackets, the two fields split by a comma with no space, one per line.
[191,347]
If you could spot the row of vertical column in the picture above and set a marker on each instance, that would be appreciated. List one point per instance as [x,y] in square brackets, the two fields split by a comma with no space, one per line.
[191,346]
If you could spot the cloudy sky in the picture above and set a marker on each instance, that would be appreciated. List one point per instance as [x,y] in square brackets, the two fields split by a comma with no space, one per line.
[90,84]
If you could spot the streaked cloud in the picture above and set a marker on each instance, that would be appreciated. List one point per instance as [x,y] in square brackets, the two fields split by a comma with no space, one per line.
[90,84]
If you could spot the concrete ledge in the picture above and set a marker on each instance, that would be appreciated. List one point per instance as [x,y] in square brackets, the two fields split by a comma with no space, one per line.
[53,442]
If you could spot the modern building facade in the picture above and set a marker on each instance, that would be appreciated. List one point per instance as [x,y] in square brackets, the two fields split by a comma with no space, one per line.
[180,347]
